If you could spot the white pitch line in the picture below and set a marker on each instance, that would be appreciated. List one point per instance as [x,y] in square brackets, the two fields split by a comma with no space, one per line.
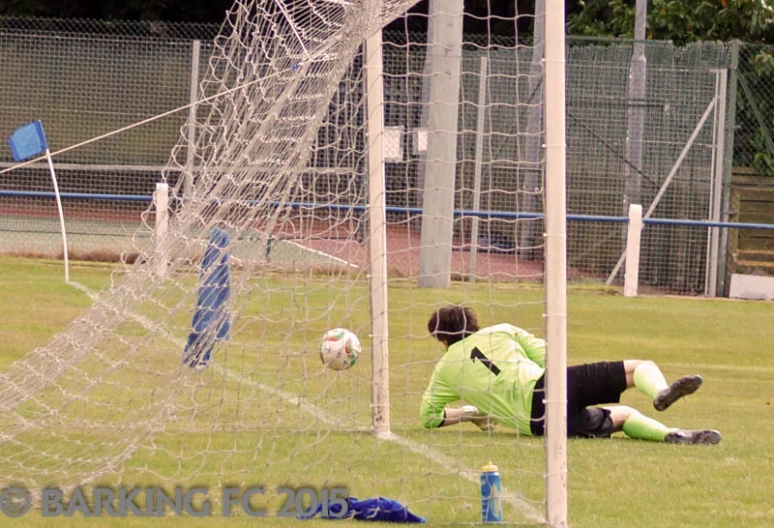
[78,286]
[321,253]
[415,447]
[514,499]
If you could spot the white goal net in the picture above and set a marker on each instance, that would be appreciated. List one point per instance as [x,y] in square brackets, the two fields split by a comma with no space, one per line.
[199,366]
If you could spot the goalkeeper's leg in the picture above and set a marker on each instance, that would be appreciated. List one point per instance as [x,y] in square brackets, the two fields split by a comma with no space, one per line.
[647,377]
[636,425]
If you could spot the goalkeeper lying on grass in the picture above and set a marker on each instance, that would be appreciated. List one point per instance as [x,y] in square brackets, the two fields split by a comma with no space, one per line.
[500,371]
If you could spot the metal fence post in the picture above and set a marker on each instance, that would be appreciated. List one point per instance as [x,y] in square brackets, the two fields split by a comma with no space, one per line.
[728,169]
[194,98]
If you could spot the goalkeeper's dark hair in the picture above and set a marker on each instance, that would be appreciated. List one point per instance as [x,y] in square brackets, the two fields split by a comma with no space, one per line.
[452,323]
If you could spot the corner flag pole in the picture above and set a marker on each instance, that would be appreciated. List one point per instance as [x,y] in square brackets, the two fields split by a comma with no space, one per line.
[61,214]
[28,141]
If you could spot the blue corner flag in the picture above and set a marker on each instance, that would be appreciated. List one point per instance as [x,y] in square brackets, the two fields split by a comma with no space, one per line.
[28,141]
[211,320]
[374,509]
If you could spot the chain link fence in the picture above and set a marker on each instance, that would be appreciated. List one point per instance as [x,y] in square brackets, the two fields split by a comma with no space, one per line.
[751,251]
[95,29]
[84,79]
[681,114]
[754,146]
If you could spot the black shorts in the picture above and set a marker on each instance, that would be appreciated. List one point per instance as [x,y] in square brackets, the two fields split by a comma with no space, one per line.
[588,385]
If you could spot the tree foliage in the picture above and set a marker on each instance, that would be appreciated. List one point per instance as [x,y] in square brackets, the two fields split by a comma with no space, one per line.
[162,10]
[494,17]
[599,18]
[680,21]
[683,21]
[755,109]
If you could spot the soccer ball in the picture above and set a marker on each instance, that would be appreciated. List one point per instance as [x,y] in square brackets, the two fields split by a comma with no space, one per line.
[339,349]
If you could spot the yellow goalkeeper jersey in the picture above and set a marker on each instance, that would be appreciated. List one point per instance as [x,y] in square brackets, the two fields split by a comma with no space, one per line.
[495,369]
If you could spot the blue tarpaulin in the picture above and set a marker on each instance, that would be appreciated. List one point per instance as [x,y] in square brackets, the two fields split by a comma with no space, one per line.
[211,320]
[374,509]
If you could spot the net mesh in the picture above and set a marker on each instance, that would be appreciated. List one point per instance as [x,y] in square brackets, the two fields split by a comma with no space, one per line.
[269,181]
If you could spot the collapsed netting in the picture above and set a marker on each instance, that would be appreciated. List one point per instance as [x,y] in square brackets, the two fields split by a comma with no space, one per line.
[77,408]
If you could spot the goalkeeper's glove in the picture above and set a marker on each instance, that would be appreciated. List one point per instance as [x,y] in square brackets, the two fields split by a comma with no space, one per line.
[481,420]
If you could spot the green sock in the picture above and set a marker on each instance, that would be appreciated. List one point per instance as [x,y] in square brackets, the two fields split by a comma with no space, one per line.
[649,379]
[643,428]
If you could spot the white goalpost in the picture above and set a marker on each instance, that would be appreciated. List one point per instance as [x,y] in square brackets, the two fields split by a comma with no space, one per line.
[380,391]
[556,265]
[279,217]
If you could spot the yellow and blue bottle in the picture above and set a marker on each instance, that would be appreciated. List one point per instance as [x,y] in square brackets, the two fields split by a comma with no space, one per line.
[491,492]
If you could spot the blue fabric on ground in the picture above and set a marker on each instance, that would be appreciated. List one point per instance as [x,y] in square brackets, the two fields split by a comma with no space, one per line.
[374,509]
[211,321]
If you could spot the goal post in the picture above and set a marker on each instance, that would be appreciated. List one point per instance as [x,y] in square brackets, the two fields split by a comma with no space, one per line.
[556,265]
[380,378]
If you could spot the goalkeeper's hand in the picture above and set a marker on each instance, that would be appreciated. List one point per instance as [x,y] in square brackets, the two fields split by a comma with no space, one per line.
[481,420]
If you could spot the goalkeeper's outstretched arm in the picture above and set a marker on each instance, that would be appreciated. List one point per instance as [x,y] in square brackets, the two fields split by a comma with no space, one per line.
[435,411]
[432,411]
[468,413]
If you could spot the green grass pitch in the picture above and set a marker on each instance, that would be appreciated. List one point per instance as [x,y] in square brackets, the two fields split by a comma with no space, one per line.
[612,483]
